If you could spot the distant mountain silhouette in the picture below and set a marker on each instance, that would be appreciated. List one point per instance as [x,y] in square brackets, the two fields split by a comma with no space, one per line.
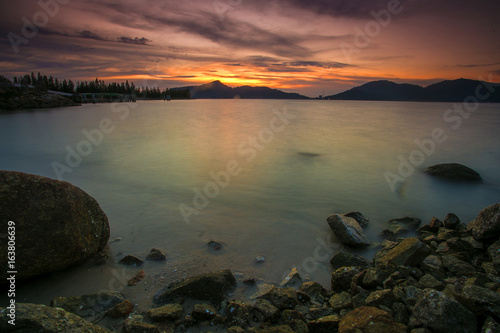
[217,89]
[445,91]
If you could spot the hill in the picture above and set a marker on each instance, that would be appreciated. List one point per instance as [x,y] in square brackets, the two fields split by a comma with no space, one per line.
[445,91]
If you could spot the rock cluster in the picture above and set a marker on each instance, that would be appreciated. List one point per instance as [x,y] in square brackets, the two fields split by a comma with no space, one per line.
[34,100]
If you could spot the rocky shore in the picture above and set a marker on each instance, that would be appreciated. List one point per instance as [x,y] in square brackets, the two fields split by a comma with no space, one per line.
[33,100]
[445,280]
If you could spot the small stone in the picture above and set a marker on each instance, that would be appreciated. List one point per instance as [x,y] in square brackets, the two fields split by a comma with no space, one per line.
[121,310]
[238,313]
[130,260]
[348,230]
[451,221]
[293,279]
[156,255]
[264,311]
[312,288]
[429,281]
[166,312]
[260,260]
[374,277]
[342,277]
[204,312]
[340,301]
[136,278]
[380,297]
[215,245]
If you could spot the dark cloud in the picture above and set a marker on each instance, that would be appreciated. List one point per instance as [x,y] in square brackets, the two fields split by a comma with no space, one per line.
[136,40]
[320,64]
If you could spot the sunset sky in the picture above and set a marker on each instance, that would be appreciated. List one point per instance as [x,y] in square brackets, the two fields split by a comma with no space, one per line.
[306,46]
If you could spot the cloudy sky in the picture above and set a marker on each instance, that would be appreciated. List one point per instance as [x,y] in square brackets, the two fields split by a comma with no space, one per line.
[306,46]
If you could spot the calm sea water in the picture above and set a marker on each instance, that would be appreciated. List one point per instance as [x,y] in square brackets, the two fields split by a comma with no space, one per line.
[287,174]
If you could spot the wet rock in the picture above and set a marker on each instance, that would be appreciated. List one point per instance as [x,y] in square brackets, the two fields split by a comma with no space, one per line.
[41,318]
[276,329]
[458,267]
[442,314]
[341,259]
[204,312]
[341,278]
[454,172]
[433,265]
[215,245]
[340,301]
[370,319]
[289,315]
[383,297]
[57,224]
[136,324]
[324,324]
[264,311]
[374,277]
[362,221]
[487,224]
[293,279]
[121,310]
[404,224]
[312,288]
[209,287]
[166,312]
[400,313]
[317,312]
[451,221]
[238,313]
[494,253]
[90,307]
[429,281]
[480,300]
[347,230]
[388,235]
[137,278]
[299,326]
[282,298]
[410,252]
[156,255]
[260,260]
[131,260]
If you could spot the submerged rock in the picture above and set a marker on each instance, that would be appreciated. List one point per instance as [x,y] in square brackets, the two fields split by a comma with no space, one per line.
[131,260]
[347,230]
[341,259]
[156,255]
[487,223]
[57,225]
[215,245]
[41,318]
[210,287]
[454,171]
[403,224]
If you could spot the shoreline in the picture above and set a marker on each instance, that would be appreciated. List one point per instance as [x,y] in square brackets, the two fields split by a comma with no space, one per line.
[450,264]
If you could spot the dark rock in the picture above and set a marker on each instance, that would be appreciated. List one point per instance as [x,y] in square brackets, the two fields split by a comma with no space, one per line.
[341,278]
[370,319]
[299,326]
[341,259]
[494,253]
[429,281]
[480,300]
[136,324]
[375,277]
[276,329]
[445,234]
[293,279]
[404,224]
[388,234]
[57,224]
[451,221]
[411,295]
[249,281]
[167,312]
[260,260]
[324,324]
[210,287]
[312,288]
[215,245]
[454,172]
[435,224]
[238,313]
[442,314]
[156,255]
[121,310]
[458,267]
[487,223]
[41,318]
[90,307]
[410,252]
[264,311]
[362,221]
[235,329]
[347,230]
[204,312]
[400,313]
[282,298]
[383,297]
[303,297]
[289,315]
[490,326]
[340,301]
[137,278]
[130,260]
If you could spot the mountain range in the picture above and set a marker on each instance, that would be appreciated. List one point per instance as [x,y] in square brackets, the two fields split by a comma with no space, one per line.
[445,91]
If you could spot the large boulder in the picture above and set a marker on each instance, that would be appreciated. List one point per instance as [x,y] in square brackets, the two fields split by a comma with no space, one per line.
[410,252]
[442,314]
[487,223]
[347,230]
[210,287]
[453,171]
[41,318]
[57,225]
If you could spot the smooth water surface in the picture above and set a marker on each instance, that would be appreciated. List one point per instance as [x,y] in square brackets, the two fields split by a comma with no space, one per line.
[287,174]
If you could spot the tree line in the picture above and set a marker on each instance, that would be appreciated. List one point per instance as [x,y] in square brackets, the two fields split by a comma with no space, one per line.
[43,83]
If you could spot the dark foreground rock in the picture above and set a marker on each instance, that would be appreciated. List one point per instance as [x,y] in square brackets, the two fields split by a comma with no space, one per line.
[454,171]
[41,318]
[210,287]
[347,230]
[57,225]
[487,224]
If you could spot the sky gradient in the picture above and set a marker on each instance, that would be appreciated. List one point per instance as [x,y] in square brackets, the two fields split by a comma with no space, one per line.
[311,47]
